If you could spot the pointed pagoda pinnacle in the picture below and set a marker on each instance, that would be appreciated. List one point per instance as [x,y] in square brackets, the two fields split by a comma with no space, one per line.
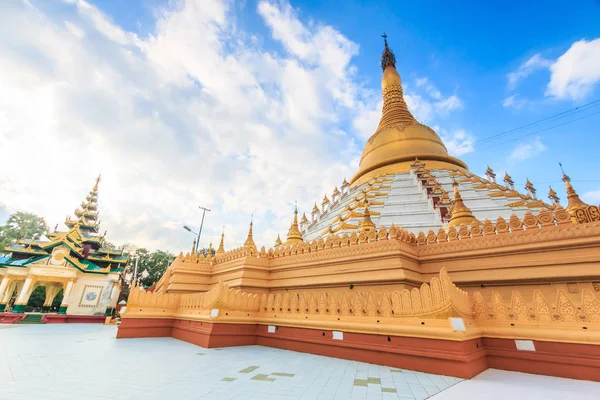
[221,248]
[210,248]
[399,137]
[95,189]
[367,224]
[553,196]
[575,203]
[315,209]
[508,181]
[294,235]
[530,188]
[278,241]
[249,240]
[461,214]
[303,220]
[193,247]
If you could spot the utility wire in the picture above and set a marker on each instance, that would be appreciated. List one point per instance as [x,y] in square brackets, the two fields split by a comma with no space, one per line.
[555,116]
[541,130]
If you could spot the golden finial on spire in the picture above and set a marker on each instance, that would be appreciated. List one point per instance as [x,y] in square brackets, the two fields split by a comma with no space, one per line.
[345,184]
[367,224]
[387,57]
[575,203]
[315,209]
[304,219]
[335,191]
[249,240]
[529,187]
[95,189]
[325,200]
[278,241]
[294,235]
[461,214]
[553,196]
[221,248]
[193,247]
[490,174]
[508,181]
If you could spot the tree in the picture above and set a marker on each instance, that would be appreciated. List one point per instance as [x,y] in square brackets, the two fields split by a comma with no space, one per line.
[155,264]
[21,225]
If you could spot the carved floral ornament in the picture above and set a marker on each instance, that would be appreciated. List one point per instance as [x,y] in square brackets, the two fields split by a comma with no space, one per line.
[438,300]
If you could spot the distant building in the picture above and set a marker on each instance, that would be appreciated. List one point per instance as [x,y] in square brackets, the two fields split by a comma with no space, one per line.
[79,262]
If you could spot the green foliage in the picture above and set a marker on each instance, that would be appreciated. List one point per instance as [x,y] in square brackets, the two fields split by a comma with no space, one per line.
[154,264]
[37,298]
[57,299]
[21,225]
[205,252]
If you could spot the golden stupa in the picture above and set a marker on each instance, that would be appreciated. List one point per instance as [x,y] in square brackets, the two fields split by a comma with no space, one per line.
[393,271]
[399,137]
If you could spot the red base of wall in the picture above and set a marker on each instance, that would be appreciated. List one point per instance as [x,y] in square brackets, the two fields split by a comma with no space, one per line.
[461,359]
[10,318]
[567,360]
[72,319]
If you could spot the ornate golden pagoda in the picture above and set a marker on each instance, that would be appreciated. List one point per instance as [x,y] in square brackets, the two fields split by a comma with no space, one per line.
[432,288]
[461,214]
[249,240]
[400,138]
[294,235]
[221,248]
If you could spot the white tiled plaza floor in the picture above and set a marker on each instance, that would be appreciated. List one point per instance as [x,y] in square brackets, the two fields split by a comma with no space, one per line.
[87,362]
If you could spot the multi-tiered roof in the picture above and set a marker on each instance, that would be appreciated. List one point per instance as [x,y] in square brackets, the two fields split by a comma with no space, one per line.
[87,250]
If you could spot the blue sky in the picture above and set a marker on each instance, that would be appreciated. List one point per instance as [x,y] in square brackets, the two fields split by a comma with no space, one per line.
[249,106]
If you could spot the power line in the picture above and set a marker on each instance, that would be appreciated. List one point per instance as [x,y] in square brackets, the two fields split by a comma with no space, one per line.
[555,116]
[541,130]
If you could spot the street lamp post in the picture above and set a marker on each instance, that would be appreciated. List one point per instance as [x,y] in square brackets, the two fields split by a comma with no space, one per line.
[187,228]
[137,257]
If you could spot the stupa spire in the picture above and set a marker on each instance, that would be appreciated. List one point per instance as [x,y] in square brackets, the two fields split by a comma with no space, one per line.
[399,137]
[461,214]
[278,241]
[367,224]
[388,58]
[221,248]
[294,235]
[87,213]
[249,240]
[575,203]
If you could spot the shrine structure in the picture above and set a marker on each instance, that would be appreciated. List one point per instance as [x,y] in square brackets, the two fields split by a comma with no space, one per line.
[415,263]
[79,263]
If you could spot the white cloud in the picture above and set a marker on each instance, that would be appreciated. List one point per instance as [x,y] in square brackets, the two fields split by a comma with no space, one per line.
[536,62]
[592,197]
[458,142]
[576,72]
[514,102]
[198,113]
[526,150]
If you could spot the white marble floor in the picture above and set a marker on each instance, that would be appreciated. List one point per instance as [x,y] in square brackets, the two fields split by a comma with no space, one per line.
[86,361]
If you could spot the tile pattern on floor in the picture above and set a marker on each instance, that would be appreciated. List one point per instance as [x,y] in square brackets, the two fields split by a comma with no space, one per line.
[86,361]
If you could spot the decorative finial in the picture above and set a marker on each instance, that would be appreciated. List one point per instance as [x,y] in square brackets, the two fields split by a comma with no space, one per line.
[193,247]
[294,235]
[367,224]
[249,240]
[278,241]
[221,248]
[387,57]
[97,182]
[461,214]
[553,196]
[575,203]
